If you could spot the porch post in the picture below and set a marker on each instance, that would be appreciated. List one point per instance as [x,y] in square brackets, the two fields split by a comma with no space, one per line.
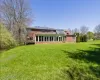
[38,38]
[58,38]
[35,38]
[61,38]
[53,38]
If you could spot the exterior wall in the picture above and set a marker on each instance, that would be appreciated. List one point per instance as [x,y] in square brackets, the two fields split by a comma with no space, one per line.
[50,42]
[31,34]
[70,39]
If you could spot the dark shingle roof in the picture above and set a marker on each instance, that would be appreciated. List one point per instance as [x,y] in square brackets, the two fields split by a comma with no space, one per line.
[38,27]
[58,31]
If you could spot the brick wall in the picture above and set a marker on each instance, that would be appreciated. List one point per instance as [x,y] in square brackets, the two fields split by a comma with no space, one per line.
[49,42]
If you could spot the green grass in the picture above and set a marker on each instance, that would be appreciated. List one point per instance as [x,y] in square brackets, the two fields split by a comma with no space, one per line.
[75,61]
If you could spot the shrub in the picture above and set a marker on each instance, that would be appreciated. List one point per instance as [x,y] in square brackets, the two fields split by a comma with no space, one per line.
[6,39]
[85,38]
[81,39]
[78,39]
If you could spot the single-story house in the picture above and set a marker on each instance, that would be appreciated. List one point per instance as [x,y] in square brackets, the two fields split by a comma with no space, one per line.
[38,35]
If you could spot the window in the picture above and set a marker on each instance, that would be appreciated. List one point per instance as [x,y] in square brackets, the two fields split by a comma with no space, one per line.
[45,38]
[36,38]
[50,38]
[57,38]
[40,38]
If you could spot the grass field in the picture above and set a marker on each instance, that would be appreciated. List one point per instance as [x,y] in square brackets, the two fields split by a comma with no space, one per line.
[75,61]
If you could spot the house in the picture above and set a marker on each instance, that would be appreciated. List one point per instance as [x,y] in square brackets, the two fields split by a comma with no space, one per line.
[38,35]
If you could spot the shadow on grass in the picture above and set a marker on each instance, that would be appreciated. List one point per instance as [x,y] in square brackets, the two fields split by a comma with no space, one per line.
[91,55]
[88,56]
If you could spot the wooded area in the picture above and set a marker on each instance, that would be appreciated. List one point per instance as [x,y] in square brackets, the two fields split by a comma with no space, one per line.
[15,16]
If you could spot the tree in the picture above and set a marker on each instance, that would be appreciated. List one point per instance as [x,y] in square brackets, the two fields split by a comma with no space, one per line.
[75,31]
[16,16]
[69,30]
[83,30]
[97,32]
[90,35]
[84,38]
[6,39]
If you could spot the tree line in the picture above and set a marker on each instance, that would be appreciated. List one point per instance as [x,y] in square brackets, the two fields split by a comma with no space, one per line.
[83,34]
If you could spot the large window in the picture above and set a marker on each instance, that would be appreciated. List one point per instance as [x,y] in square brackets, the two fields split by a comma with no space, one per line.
[45,38]
[50,38]
[57,38]
[36,38]
[40,38]
[60,38]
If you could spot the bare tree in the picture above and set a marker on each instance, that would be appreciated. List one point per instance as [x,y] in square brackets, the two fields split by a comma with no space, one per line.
[69,30]
[16,16]
[75,31]
[97,31]
[83,30]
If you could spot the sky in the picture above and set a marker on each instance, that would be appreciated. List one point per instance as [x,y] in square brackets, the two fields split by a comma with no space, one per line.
[64,14]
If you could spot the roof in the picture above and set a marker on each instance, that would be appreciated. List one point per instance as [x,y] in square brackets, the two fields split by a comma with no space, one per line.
[48,28]
[38,27]
[58,31]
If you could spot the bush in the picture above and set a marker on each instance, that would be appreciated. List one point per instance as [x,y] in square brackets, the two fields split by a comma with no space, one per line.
[6,39]
[85,38]
[82,38]
[78,39]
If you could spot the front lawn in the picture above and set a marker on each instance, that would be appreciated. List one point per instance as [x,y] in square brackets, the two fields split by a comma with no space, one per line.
[74,61]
